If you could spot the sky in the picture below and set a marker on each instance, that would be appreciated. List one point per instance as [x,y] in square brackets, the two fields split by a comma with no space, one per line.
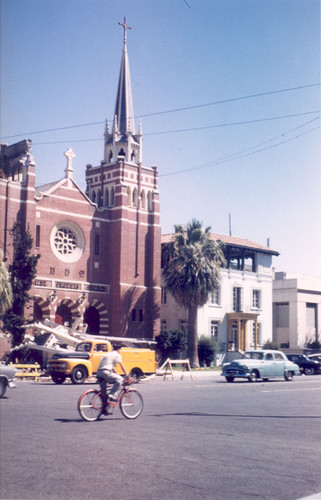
[228,92]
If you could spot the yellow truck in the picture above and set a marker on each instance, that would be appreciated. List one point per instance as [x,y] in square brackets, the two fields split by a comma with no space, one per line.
[84,361]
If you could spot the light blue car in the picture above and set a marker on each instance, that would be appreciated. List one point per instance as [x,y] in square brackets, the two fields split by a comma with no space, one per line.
[260,364]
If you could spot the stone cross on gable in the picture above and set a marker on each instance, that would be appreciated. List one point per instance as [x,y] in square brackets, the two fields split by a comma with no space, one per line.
[70,155]
[126,27]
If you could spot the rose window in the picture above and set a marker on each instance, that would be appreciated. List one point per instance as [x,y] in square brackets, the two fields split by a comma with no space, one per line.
[65,241]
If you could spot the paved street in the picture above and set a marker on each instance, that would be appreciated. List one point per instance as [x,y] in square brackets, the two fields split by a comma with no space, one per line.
[200,439]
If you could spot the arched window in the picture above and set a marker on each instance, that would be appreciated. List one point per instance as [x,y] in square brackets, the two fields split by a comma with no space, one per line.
[99,199]
[143,199]
[129,196]
[121,152]
[93,196]
[112,196]
[106,198]
[135,197]
[150,201]
[132,156]
[110,156]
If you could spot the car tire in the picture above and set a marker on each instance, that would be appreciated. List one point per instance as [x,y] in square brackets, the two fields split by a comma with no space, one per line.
[288,376]
[229,379]
[309,371]
[78,375]
[3,386]
[253,376]
[58,379]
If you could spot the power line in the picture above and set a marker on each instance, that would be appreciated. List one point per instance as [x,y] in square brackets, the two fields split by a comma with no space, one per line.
[244,122]
[247,152]
[175,110]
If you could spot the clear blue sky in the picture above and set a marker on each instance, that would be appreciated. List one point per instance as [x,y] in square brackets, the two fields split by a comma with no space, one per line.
[256,158]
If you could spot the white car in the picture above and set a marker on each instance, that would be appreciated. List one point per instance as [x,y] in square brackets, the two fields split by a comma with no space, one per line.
[260,364]
[7,374]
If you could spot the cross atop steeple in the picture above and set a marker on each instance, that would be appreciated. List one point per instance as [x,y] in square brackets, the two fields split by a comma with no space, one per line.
[126,27]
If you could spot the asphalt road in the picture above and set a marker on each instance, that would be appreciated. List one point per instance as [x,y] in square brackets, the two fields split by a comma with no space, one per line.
[201,439]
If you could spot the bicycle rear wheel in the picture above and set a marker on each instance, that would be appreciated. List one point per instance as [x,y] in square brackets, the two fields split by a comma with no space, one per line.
[90,405]
[131,403]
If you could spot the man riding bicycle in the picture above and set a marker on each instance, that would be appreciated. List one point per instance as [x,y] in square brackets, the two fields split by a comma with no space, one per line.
[107,374]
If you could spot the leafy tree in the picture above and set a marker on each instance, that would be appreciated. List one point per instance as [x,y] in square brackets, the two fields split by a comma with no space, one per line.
[5,287]
[314,345]
[269,344]
[22,272]
[207,348]
[191,270]
[171,343]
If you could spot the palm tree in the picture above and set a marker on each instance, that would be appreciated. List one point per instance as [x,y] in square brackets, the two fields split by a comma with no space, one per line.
[5,287]
[191,270]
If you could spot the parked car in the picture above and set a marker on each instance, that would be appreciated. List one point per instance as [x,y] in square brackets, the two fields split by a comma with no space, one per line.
[315,357]
[264,364]
[306,365]
[7,374]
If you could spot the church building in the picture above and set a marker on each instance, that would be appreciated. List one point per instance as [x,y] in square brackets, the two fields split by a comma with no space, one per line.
[100,249]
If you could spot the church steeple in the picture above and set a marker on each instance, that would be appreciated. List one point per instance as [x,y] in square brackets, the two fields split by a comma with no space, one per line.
[123,141]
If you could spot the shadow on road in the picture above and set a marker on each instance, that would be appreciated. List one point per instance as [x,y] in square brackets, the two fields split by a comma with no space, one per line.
[202,414]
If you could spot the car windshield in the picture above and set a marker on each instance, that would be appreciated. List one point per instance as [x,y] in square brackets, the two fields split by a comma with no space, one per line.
[253,355]
[84,347]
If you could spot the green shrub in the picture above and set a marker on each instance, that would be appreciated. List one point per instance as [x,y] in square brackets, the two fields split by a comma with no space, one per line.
[171,343]
[269,344]
[207,348]
[314,345]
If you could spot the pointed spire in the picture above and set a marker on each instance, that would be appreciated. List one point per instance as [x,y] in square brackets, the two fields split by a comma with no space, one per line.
[124,102]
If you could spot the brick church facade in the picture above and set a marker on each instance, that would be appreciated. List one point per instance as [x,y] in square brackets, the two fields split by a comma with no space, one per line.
[100,249]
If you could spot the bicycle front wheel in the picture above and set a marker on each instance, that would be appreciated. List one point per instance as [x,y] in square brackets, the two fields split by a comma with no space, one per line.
[131,403]
[90,405]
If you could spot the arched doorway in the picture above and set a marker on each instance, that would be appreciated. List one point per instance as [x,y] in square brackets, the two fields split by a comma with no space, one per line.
[37,312]
[91,317]
[41,308]
[65,313]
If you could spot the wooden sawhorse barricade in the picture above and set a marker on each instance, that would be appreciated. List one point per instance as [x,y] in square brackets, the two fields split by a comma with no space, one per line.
[27,370]
[169,367]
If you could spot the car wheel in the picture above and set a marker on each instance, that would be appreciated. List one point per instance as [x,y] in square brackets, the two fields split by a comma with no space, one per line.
[58,379]
[229,379]
[78,375]
[136,373]
[3,386]
[288,375]
[309,371]
[253,376]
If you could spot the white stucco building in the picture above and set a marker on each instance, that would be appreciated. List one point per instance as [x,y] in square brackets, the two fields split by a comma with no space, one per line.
[296,310]
[239,313]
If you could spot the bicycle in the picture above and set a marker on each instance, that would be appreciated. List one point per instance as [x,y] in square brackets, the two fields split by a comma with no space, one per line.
[90,403]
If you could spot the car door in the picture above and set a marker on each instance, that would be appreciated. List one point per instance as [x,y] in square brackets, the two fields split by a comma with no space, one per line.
[268,368]
[279,364]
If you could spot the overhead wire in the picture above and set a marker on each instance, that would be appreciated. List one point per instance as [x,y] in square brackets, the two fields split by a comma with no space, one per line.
[174,110]
[191,129]
[248,152]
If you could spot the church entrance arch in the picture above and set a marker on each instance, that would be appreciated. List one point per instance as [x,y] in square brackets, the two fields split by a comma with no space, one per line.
[91,317]
[96,317]
[41,309]
[65,314]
